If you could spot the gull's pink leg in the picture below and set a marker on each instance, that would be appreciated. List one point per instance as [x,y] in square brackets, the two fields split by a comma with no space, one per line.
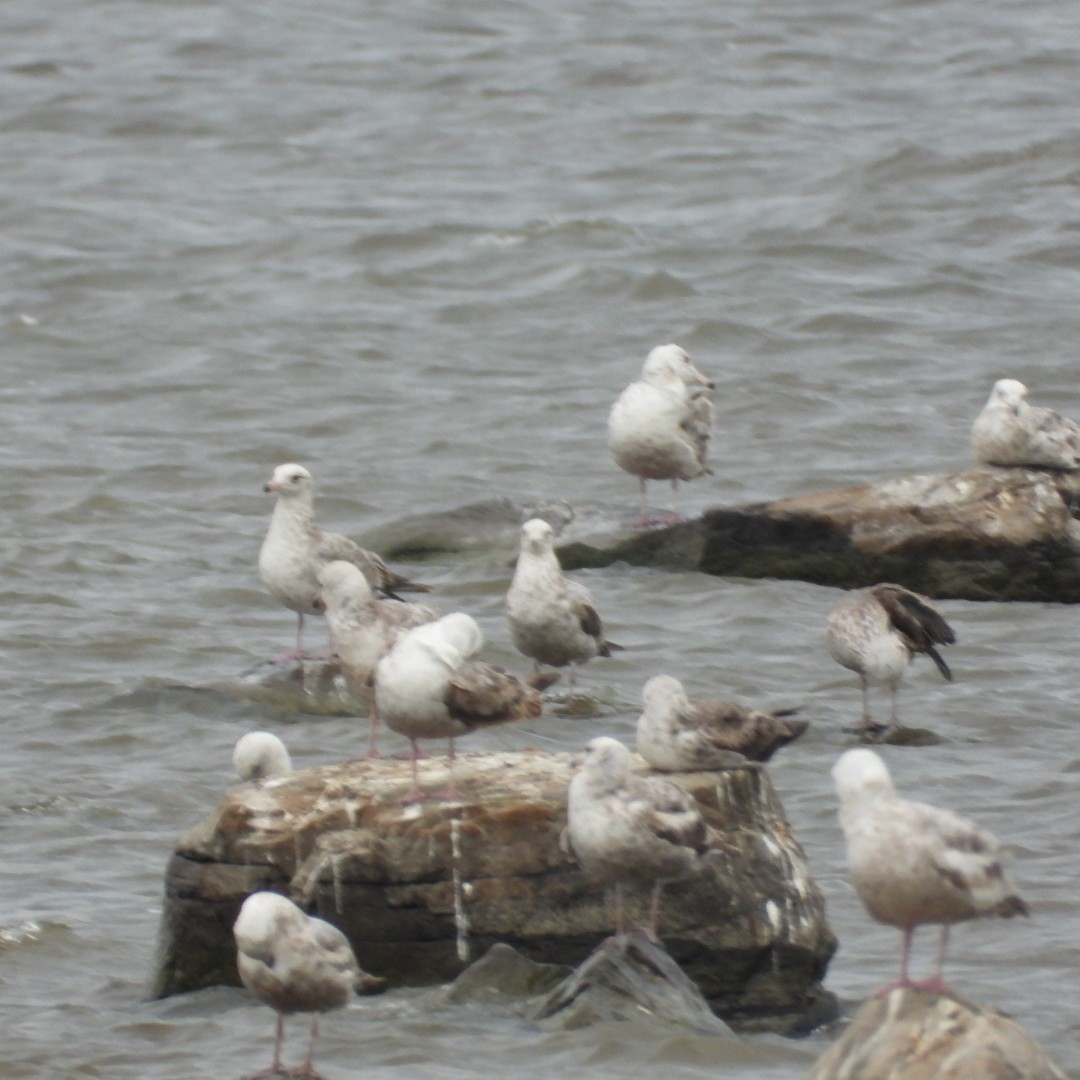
[416,793]
[936,983]
[905,953]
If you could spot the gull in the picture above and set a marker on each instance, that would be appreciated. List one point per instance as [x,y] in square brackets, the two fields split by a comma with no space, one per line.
[659,426]
[676,733]
[364,628]
[295,963]
[876,631]
[624,829]
[1009,431]
[295,547]
[552,620]
[260,755]
[429,687]
[914,864]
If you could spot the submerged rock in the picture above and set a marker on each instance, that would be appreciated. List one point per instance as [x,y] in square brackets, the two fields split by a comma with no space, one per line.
[916,1035]
[623,978]
[980,534]
[421,889]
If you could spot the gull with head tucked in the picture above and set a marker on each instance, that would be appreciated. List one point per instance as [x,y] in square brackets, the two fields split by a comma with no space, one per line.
[260,755]
[364,629]
[659,426]
[295,547]
[429,687]
[914,864]
[552,620]
[877,631]
[295,963]
[1009,431]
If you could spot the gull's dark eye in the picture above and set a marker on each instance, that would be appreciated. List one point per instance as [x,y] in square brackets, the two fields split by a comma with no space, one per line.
[296,479]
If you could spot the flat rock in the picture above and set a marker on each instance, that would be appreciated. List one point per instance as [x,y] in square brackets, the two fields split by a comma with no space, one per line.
[422,889]
[916,1035]
[980,534]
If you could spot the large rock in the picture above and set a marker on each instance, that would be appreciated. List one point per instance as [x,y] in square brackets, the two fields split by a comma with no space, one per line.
[981,534]
[422,889]
[914,1035]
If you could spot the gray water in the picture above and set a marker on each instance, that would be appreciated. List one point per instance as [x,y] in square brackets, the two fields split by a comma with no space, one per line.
[420,249]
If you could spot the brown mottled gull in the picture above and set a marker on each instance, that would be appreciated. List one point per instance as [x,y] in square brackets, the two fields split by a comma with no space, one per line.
[552,620]
[1009,431]
[913,864]
[364,628]
[295,964]
[260,755]
[876,631]
[659,426]
[429,687]
[295,547]
[676,733]
[624,829]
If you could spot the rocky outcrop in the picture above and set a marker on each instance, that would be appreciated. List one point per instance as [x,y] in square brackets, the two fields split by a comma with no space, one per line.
[915,1035]
[981,534]
[422,889]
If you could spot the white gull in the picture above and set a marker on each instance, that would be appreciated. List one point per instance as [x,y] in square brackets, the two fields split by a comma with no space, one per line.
[914,864]
[1009,431]
[659,426]
[260,755]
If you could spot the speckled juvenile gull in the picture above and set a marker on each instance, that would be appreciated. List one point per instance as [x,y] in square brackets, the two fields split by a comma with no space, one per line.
[1009,431]
[913,864]
[624,829]
[659,426]
[877,630]
[552,620]
[295,547]
[260,755]
[295,964]
[364,628]
[676,733]
[429,687]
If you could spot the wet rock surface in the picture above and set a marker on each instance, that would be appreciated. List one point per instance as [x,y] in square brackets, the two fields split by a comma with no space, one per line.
[916,1035]
[423,889]
[980,534]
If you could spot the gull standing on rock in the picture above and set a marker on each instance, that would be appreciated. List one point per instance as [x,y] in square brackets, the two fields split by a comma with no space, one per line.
[913,864]
[260,755]
[428,687]
[295,964]
[295,547]
[876,631]
[659,427]
[624,829]
[552,619]
[678,734]
[364,628]
[1009,431]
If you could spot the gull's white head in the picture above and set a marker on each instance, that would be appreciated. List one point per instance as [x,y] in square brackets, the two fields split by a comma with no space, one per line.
[1008,392]
[341,582]
[449,640]
[290,481]
[861,772]
[260,755]
[537,536]
[607,760]
[263,917]
[461,632]
[668,360]
[661,691]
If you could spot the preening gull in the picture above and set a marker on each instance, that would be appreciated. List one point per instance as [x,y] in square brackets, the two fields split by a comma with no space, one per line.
[876,631]
[364,628]
[552,620]
[678,734]
[295,963]
[1009,431]
[624,829]
[659,426]
[913,864]
[295,547]
[428,687]
[260,755]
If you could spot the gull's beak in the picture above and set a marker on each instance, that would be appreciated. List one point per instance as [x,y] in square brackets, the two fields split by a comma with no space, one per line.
[271,485]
